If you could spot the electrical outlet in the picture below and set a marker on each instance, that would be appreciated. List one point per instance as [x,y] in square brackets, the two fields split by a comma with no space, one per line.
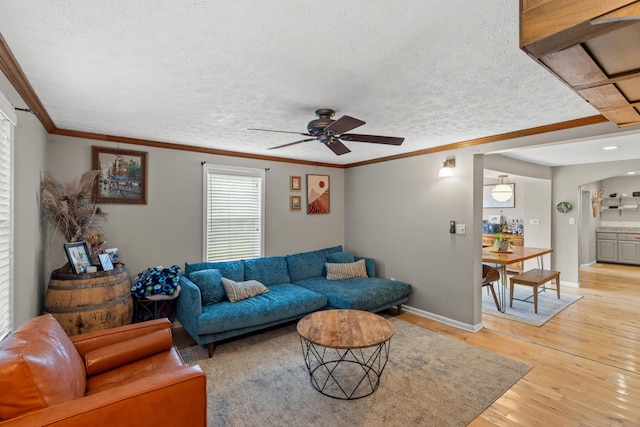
[534,221]
[461,229]
[572,221]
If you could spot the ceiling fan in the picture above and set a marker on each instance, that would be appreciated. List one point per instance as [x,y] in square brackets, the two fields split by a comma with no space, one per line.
[332,132]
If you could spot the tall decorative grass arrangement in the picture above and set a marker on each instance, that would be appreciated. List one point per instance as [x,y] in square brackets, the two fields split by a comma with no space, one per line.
[70,207]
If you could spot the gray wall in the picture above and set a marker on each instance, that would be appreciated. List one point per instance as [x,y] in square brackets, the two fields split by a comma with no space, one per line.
[168,230]
[399,211]
[29,154]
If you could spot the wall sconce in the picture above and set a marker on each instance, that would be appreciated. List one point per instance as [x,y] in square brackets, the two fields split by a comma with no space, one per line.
[502,190]
[447,168]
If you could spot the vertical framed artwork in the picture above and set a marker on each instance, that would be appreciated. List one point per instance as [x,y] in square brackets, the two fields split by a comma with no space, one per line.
[296,183]
[318,194]
[123,175]
[294,203]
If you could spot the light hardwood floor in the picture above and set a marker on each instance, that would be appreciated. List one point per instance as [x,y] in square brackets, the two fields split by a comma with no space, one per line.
[586,360]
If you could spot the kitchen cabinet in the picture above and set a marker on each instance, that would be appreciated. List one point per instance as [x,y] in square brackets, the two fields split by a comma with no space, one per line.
[489,239]
[622,248]
[607,247]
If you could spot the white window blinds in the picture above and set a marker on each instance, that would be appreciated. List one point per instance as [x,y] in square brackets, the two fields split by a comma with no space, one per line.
[7,121]
[234,213]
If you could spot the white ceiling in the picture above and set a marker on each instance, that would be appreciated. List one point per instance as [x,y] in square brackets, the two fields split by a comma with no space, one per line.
[201,72]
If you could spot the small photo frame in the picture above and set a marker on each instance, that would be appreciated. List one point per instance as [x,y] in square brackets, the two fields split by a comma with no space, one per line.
[105,262]
[295,183]
[79,256]
[295,203]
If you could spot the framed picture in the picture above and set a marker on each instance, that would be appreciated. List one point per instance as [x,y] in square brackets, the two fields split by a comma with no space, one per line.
[123,175]
[295,202]
[79,256]
[105,262]
[489,202]
[296,183]
[318,195]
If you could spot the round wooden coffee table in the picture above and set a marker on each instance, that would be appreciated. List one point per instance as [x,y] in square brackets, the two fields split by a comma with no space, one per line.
[345,351]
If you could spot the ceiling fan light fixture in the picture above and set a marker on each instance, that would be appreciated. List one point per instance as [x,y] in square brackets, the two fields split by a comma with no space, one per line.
[502,191]
[447,168]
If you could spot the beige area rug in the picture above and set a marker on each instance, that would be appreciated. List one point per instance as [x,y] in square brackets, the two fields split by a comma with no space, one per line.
[523,311]
[431,380]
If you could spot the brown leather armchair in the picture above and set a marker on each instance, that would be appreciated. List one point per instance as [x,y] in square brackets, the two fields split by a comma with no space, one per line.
[130,375]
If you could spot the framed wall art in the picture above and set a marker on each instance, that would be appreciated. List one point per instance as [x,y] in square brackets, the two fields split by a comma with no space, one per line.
[295,203]
[123,175]
[295,184]
[318,194]
[79,256]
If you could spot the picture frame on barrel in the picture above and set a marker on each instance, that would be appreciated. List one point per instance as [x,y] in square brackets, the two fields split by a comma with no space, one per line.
[79,256]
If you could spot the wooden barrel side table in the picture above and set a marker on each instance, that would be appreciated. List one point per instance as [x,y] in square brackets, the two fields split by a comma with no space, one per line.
[90,301]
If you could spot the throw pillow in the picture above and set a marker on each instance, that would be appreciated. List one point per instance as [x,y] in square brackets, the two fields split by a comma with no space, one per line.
[210,284]
[339,271]
[237,291]
[340,257]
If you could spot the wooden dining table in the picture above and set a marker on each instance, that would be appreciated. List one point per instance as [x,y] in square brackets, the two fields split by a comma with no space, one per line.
[515,254]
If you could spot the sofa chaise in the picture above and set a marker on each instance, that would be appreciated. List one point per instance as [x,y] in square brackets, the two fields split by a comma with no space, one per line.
[283,289]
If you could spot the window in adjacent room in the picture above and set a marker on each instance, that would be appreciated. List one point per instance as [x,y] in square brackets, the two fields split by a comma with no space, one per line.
[7,122]
[233,213]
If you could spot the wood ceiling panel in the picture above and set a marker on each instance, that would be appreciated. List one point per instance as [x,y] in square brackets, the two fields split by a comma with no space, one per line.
[625,116]
[546,18]
[604,97]
[574,66]
[630,89]
[617,52]
[593,46]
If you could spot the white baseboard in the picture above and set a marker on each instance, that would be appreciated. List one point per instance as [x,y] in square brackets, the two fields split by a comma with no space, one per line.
[456,324]
[589,264]
[569,284]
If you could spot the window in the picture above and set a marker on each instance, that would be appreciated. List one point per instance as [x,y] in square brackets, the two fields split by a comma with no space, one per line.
[233,213]
[7,121]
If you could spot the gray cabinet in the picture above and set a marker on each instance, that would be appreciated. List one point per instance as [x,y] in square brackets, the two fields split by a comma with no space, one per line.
[607,251]
[621,248]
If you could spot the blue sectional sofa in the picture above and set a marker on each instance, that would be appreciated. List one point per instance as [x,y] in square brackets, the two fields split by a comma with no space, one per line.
[297,285]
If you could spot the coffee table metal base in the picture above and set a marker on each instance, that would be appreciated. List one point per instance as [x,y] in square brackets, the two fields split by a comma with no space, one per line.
[345,374]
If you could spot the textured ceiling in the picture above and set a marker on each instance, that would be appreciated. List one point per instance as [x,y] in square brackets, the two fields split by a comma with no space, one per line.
[201,72]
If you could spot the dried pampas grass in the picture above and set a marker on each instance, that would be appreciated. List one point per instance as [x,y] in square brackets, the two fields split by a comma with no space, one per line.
[70,208]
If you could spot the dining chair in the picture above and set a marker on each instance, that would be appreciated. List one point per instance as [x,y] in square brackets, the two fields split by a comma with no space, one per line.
[490,275]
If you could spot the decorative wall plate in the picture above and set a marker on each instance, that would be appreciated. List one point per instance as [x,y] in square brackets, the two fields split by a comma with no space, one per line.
[564,207]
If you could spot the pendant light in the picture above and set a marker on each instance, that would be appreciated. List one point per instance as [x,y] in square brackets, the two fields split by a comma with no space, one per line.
[502,190]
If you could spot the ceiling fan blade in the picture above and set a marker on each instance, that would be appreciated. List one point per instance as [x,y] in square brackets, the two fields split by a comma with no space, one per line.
[282,131]
[390,140]
[291,143]
[337,147]
[343,124]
